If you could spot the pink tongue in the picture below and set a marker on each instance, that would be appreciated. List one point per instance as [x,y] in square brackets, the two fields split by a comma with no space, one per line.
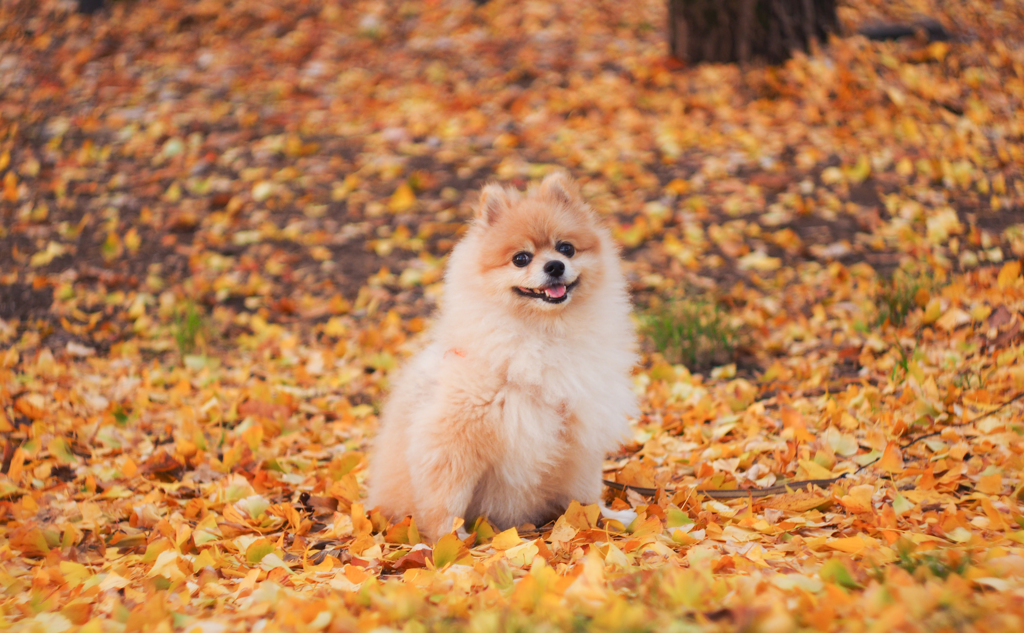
[555,291]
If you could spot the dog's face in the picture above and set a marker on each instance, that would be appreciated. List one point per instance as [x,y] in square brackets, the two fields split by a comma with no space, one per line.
[539,252]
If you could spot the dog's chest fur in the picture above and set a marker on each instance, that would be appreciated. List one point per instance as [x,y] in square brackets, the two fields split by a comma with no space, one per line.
[545,397]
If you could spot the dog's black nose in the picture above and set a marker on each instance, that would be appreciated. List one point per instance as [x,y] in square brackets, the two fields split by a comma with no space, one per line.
[554,268]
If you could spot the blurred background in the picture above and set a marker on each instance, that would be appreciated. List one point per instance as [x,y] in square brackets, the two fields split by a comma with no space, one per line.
[239,163]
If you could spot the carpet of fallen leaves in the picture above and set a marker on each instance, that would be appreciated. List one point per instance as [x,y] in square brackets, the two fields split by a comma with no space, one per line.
[224,224]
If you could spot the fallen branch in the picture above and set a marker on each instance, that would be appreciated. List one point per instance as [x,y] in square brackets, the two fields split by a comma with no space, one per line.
[789,486]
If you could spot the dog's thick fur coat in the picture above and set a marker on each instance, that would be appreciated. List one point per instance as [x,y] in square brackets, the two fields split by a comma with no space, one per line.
[525,385]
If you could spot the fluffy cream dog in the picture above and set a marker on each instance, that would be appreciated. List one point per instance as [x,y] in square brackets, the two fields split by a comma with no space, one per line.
[525,386]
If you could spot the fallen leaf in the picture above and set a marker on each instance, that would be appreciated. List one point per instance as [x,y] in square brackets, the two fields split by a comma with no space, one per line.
[891,460]
[449,550]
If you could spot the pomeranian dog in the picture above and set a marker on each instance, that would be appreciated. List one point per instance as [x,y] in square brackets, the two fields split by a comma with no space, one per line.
[525,385]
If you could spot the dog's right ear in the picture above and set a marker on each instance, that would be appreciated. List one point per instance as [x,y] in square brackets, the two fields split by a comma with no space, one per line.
[494,200]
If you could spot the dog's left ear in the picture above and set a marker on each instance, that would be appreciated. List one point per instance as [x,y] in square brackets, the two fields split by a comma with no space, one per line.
[560,188]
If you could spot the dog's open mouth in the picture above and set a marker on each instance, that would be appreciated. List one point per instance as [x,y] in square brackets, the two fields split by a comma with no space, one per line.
[550,294]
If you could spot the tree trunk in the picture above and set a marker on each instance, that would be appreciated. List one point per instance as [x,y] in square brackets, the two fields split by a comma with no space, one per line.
[744,30]
[89,6]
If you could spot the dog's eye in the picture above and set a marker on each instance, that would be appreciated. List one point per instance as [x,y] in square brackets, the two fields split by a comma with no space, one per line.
[522,259]
[565,248]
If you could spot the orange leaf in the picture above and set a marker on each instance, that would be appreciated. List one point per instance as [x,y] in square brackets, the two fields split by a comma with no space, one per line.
[10,187]
[403,199]
[892,459]
[792,419]
[927,480]
[859,499]
[77,612]
[259,408]
[17,465]
[850,545]
[582,517]
[798,501]
[247,584]
[506,540]
[404,532]
[990,484]
[1009,273]
[355,575]
[361,525]
[32,406]
[163,467]
[32,541]
[995,520]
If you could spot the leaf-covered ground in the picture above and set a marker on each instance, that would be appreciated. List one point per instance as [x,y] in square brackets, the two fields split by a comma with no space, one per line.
[224,224]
